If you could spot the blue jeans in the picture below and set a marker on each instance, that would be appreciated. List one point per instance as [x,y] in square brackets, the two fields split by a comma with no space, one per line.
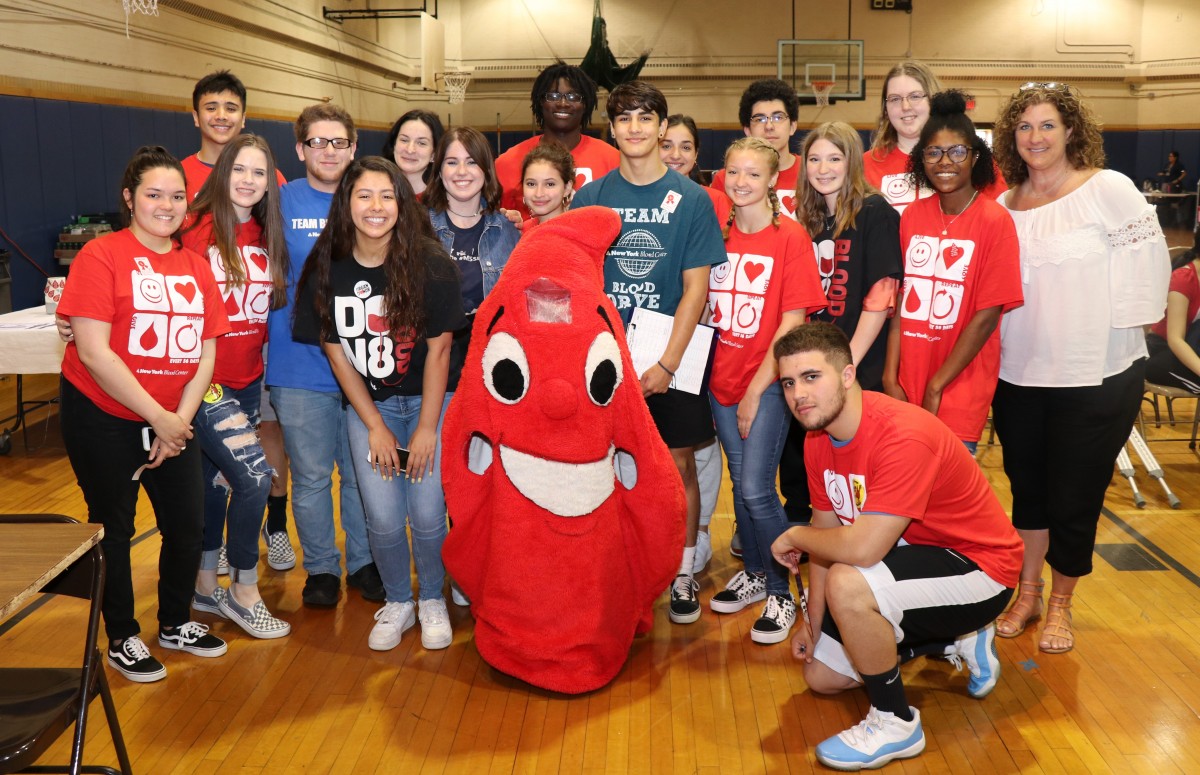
[390,504]
[314,436]
[753,463]
[237,478]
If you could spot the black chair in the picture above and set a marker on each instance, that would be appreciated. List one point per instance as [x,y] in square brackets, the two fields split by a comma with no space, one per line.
[38,704]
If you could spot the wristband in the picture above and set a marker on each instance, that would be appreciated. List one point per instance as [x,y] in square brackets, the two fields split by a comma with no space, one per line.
[664,368]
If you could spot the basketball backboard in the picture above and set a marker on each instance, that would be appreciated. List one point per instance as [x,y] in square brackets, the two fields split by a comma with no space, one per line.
[803,63]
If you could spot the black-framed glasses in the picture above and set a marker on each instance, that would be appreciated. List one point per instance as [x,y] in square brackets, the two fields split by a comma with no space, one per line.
[317,143]
[914,98]
[957,153]
[774,118]
[572,97]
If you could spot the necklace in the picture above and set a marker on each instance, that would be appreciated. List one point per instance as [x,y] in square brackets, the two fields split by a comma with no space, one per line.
[475,214]
[942,213]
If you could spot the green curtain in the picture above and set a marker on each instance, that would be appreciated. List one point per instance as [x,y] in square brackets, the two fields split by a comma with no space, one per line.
[599,62]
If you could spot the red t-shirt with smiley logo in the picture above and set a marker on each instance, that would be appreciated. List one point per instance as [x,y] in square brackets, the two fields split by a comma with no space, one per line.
[947,279]
[161,307]
[239,353]
[593,160]
[890,176]
[767,273]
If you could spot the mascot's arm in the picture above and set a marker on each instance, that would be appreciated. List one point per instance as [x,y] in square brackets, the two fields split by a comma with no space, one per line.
[468,495]
[382,443]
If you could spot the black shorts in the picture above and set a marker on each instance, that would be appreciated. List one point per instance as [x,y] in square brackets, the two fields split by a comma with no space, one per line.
[683,419]
[928,594]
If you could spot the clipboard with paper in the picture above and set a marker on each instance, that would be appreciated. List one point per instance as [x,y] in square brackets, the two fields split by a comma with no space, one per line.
[648,333]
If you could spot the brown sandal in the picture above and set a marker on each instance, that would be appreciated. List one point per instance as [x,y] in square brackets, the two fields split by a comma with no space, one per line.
[1058,625]
[1027,607]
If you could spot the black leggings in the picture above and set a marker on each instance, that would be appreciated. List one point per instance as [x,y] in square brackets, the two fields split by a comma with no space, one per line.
[1059,448]
[104,452]
[1165,369]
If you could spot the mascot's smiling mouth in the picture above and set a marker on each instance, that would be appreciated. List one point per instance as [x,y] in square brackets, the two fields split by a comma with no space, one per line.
[563,489]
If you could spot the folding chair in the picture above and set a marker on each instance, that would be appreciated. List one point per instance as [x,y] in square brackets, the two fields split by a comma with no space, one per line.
[38,704]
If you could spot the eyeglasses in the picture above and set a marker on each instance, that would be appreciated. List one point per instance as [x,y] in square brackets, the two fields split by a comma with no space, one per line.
[774,118]
[957,153]
[915,98]
[341,143]
[558,96]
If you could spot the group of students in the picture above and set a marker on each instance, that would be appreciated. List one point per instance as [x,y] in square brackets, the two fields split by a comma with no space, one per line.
[366,275]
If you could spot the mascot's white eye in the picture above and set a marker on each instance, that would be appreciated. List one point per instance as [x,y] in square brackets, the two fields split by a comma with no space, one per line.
[505,369]
[603,369]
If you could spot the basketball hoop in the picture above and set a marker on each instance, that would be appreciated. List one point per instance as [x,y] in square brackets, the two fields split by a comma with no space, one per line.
[456,86]
[821,91]
[148,7]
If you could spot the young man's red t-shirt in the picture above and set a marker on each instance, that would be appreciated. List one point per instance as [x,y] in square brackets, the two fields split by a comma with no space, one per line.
[196,172]
[161,308]
[768,273]
[904,462]
[785,187]
[239,353]
[593,160]
[947,279]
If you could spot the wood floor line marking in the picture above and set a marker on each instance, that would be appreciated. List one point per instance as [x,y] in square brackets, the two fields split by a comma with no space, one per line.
[1150,546]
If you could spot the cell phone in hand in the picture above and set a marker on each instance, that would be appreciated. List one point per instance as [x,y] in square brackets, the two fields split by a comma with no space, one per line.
[148,436]
[401,453]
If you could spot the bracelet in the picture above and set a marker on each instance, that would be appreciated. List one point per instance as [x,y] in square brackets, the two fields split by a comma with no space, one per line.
[664,368]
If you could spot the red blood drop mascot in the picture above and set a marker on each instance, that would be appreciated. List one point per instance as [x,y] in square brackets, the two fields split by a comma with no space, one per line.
[568,511]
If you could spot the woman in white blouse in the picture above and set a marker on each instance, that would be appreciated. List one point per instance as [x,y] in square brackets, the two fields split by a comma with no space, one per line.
[1094,269]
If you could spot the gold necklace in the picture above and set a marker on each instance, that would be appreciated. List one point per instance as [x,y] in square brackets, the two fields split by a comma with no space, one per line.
[942,213]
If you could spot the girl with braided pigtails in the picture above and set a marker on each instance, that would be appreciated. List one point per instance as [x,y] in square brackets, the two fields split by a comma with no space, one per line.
[767,287]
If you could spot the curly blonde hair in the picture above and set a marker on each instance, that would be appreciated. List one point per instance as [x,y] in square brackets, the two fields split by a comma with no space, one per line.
[1085,148]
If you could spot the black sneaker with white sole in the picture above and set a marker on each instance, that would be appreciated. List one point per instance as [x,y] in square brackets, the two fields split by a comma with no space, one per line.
[685,607]
[742,590]
[133,660]
[778,616]
[193,638]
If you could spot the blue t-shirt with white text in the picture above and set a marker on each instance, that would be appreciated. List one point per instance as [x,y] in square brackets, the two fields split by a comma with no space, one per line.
[290,363]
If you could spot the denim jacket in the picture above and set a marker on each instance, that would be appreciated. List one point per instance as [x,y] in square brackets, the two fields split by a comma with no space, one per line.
[495,244]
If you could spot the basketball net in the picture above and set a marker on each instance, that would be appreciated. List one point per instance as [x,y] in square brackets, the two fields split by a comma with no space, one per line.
[148,7]
[821,91]
[456,86]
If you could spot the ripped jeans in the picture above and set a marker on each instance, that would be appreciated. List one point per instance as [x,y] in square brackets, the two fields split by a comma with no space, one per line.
[237,478]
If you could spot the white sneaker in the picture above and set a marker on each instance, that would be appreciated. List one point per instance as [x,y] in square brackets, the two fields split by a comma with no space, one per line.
[458,597]
[390,623]
[703,552]
[435,624]
[978,651]
[873,742]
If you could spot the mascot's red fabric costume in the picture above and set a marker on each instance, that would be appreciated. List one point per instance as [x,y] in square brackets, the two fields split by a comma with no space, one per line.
[568,510]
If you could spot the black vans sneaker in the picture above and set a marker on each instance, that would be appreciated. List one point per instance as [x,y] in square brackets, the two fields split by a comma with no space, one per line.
[134,661]
[685,608]
[193,638]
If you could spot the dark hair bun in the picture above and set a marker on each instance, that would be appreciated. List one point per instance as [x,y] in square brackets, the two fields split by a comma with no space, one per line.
[949,102]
